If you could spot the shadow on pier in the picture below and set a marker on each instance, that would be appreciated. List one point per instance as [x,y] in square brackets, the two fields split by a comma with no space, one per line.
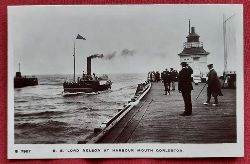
[156,119]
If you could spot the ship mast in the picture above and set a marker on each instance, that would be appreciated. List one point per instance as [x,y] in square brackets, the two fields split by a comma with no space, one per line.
[224,39]
[19,66]
[78,37]
[74,60]
[188,26]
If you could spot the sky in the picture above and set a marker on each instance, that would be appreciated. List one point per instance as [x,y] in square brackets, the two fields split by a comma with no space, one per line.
[132,38]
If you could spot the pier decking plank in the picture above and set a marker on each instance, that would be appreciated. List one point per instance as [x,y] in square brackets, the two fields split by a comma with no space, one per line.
[156,120]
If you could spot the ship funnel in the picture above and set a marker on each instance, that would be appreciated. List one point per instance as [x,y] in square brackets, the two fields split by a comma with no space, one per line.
[18,74]
[192,30]
[88,65]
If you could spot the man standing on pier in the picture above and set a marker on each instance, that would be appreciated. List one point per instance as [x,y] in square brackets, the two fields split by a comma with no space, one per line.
[173,75]
[166,77]
[213,86]
[185,87]
[157,76]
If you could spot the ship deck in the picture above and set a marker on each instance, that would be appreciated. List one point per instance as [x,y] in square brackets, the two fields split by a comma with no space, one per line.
[156,119]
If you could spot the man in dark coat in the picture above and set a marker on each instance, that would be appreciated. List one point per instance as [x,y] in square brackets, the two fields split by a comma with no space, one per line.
[173,75]
[157,76]
[176,75]
[166,77]
[213,86]
[185,87]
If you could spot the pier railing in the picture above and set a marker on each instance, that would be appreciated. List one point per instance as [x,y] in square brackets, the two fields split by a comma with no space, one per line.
[99,132]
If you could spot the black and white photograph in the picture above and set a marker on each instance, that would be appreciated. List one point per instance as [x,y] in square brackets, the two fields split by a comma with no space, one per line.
[110,81]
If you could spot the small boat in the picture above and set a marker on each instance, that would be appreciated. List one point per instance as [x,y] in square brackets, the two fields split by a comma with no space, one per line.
[23,81]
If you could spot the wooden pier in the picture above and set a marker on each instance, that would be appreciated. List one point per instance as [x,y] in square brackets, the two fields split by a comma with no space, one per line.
[156,119]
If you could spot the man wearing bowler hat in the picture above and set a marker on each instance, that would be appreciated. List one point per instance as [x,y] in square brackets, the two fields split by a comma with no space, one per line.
[213,86]
[185,87]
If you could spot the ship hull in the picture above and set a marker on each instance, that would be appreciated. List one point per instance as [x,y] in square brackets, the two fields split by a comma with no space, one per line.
[85,87]
[24,82]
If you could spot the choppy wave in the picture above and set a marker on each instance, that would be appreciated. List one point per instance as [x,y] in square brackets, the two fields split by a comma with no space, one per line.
[49,126]
[56,84]
[21,101]
[45,113]
[53,126]
[26,125]
[83,108]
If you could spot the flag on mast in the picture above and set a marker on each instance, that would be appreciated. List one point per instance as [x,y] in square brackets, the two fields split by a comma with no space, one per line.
[80,37]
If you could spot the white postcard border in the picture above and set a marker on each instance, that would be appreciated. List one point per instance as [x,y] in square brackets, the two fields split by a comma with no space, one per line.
[42,151]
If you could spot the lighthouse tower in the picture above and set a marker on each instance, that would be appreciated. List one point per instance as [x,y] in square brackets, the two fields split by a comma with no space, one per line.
[194,54]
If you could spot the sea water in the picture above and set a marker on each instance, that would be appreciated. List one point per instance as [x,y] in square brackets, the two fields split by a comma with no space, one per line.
[42,115]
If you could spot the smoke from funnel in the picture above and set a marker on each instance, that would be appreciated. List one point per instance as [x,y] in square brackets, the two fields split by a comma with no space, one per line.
[96,56]
[110,56]
[127,52]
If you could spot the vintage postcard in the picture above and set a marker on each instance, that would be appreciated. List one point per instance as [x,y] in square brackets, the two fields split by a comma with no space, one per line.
[125,81]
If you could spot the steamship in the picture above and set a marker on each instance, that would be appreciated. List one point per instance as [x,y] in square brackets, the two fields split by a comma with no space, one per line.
[24,81]
[87,83]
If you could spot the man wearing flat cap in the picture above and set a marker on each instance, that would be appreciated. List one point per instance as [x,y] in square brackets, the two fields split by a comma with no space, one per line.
[185,87]
[213,86]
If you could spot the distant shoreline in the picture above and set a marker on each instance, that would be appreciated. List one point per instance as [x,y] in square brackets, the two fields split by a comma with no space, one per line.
[78,74]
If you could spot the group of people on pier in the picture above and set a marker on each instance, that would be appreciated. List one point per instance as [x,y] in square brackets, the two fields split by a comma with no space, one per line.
[154,76]
[168,77]
[184,78]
